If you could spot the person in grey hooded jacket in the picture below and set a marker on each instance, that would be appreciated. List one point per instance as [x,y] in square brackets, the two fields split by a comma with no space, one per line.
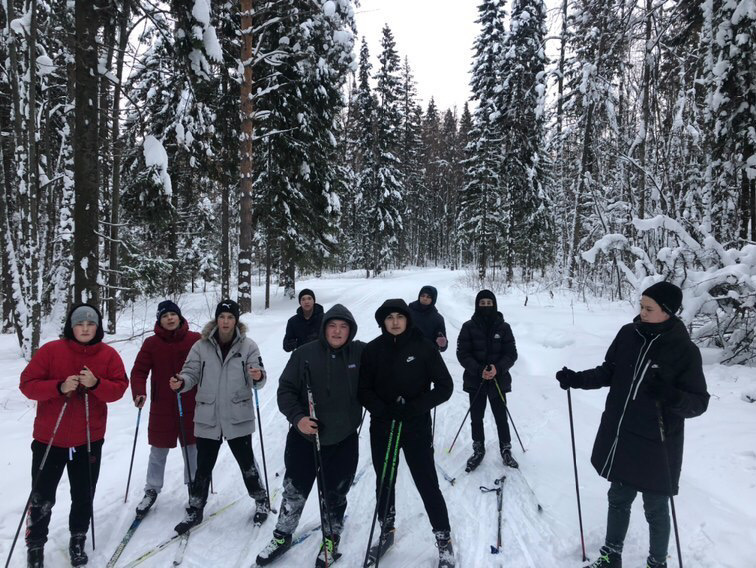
[332,366]
[225,365]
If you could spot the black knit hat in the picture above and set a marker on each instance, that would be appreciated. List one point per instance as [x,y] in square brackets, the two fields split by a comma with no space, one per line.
[167,306]
[485,294]
[431,291]
[228,306]
[391,306]
[306,292]
[667,295]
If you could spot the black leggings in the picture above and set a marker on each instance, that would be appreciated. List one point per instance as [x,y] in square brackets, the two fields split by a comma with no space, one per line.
[43,497]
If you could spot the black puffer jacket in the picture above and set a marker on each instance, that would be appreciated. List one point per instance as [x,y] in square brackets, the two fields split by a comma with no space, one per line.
[334,376]
[300,330]
[628,446]
[479,345]
[429,322]
[404,366]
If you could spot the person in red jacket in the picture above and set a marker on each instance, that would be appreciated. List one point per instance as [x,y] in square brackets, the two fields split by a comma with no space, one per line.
[82,370]
[164,354]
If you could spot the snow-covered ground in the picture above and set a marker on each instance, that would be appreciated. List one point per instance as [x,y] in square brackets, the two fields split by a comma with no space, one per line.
[716,507]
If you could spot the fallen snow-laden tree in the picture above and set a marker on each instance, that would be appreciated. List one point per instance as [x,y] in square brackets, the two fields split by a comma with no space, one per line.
[719,285]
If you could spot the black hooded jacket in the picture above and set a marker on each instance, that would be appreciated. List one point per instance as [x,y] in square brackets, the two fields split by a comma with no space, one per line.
[427,319]
[404,365]
[628,446]
[481,343]
[300,330]
[334,375]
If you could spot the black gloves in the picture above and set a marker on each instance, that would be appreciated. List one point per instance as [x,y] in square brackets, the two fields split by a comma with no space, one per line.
[401,410]
[567,378]
[660,388]
[290,345]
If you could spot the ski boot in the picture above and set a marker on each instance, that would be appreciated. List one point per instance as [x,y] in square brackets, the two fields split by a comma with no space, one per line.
[607,559]
[261,512]
[445,550]
[192,518]
[651,563]
[35,557]
[509,461]
[479,450]
[146,503]
[385,541]
[279,544]
[329,552]
[76,549]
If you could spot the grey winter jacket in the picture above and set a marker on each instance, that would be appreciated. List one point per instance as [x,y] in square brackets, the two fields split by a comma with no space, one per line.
[225,405]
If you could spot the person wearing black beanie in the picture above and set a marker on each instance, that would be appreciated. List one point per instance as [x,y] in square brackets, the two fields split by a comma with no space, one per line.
[486,349]
[426,318]
[304,326]
[655,379]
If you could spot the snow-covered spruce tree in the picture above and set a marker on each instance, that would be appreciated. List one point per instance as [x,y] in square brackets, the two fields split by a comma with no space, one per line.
[523,84]
[432,202]
[451,178]
[482,222]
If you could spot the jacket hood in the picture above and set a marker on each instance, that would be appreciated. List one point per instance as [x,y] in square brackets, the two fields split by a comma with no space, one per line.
[431,291]
[211,326]
[316,309]
[393,305]
[337,311]
[68,328]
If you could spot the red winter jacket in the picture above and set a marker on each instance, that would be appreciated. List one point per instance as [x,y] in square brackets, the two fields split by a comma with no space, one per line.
[51,365]
[164,354]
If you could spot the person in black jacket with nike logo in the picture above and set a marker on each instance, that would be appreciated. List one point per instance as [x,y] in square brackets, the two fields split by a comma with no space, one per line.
[402,377]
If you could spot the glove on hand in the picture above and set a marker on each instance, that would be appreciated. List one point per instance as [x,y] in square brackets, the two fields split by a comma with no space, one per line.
[659,388]
[567,378]
[290,345]
[400,410]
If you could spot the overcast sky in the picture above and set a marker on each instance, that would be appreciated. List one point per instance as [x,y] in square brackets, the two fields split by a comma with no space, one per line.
[436,35]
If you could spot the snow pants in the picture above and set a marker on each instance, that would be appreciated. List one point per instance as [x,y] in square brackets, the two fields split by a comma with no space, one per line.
[207,455]
[339,467]
[489,393]
[415,443]
[156,466]
[74,460]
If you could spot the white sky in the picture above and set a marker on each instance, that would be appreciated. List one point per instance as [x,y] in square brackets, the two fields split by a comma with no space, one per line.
[436,35]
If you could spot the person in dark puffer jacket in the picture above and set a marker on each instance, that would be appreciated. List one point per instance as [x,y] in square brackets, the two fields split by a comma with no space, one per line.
[486,349]
[426,318]
[304,326]
[396,373]
[654,374]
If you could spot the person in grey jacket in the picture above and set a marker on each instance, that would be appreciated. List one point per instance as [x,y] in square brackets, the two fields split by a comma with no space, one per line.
[225,365]
[332,366]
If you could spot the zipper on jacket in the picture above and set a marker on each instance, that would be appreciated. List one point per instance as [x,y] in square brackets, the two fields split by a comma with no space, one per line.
[202,373]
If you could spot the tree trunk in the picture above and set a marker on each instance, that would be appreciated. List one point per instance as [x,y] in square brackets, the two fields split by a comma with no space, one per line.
[32,243]
[246,161]
[225,230]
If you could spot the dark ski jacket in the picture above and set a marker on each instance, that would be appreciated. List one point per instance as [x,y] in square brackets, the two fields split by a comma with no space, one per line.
[334,375]
[628,446]
[404,366]
[163,355]
[479,345]
[429,322]
[300,330]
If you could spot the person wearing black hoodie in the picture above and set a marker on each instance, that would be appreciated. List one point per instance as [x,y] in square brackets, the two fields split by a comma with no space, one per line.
[426,318]
[304,326]
[397,371]
[332,363]
[486,349]
[655,379]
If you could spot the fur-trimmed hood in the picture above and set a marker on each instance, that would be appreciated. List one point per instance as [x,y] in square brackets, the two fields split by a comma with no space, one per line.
[210,327]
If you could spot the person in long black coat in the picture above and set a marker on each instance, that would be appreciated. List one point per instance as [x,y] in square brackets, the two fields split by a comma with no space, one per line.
[304,326]
[397,370]
[486,349]
[426,318]
[655,376]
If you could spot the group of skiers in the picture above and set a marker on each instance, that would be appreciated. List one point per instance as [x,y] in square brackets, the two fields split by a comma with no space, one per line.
[204,390]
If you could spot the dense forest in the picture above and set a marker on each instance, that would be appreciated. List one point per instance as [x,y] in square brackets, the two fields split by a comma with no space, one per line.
[155,147]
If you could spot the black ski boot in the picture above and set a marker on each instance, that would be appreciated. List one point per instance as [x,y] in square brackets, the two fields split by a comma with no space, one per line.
[479,450]
[509,461]
[607,559]
[445,550]
[651,563]
[279,544]
[146,503]
[35,557]
[192,518]
[329,552]
[261,512]
[385,541]
[76,549]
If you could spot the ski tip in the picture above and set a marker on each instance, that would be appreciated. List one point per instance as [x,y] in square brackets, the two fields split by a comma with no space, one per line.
[540,509]
[494,550]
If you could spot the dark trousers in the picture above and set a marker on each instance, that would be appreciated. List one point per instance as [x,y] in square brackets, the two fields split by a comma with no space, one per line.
[415,442]
[339,467]
[656,508]
[489,392]
[43,497]
[207,455]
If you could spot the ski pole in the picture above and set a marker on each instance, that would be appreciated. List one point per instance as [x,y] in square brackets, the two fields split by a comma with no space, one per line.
[182,433]
[36,478]
[669,478]
[89,466]
[390,483]
[380,490]
[133,451]
[499,500]
[477,392]
[433,428]
[325,514]
[262,448]
[574,465]
[509,414]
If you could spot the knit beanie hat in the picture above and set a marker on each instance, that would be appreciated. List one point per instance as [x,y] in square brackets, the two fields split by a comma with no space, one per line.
[667,295]
[84,313]
[485,294]
[306,292]
[167,306]
[431,291]
[228,306]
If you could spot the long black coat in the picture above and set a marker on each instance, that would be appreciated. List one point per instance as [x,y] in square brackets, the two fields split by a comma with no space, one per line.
[429,322]
[479,346]
[628,446]
[300,330]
